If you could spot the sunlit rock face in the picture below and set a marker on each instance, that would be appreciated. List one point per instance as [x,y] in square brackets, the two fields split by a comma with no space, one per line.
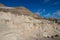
[25,27]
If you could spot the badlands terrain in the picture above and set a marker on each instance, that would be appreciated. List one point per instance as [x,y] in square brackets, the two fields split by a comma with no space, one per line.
[18,23]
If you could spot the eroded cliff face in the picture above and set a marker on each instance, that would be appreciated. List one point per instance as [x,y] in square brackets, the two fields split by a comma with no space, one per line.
[25,27]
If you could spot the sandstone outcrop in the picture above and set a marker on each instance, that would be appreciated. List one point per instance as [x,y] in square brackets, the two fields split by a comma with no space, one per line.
[21,24]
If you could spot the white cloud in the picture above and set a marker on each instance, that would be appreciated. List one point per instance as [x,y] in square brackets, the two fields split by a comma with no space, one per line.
[40,11]
[47,15]
[37,12]
[54,14]
[57,13]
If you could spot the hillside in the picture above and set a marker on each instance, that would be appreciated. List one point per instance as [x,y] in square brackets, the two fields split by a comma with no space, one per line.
[21,24]
[54,20]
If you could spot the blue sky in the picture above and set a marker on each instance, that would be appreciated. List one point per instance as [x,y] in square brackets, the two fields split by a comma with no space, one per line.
[45,8]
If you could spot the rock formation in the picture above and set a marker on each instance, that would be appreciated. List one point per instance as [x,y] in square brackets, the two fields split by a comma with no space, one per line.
[21,24]
[54,20]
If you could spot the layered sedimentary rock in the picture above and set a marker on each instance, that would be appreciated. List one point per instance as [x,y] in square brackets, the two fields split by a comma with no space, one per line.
[21,24]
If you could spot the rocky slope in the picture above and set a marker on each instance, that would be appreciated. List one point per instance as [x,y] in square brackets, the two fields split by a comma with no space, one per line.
[21,24]
[56,20]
